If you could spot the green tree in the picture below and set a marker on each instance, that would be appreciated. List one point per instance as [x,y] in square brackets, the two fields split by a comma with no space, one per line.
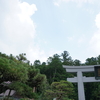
[36,80]
[91,88]
[54,70]
[77,62]
[11,72]
[66,59]
[98,59]
[23,90]
[21,76]
[91,61]
[62,90]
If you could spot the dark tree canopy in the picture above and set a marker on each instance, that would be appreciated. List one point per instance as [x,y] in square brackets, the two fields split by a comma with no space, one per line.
[40,78]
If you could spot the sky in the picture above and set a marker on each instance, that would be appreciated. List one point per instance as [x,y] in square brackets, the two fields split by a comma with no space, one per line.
[42,28]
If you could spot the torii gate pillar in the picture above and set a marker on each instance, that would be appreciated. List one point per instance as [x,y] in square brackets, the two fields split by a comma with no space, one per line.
[80,79]
[80,86]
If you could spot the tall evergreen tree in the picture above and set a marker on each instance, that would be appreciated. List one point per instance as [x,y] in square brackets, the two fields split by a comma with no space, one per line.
[66,59]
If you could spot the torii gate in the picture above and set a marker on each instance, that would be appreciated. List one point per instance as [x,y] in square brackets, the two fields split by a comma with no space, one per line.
[80,79]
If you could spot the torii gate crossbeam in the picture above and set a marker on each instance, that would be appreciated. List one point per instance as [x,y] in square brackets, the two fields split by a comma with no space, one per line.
[80,79]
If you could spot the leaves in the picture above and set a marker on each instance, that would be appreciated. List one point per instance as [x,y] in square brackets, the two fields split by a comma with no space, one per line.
[60,90]
[22,76]
[25,77]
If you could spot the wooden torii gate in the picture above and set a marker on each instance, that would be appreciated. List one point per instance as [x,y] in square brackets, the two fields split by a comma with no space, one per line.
[80,79]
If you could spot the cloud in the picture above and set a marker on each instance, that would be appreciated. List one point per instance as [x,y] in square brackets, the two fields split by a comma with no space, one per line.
[95,43]
[17,29]
[95,40]
[56,4]
[80,39]
[71,39]
[97,20]
[79,2]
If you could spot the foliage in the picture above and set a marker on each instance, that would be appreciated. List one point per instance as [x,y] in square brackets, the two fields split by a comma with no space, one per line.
[54,70]
[15,74]
[11,71]
[96,92]
[5,98]
[36,80]
[22,89]
[60,90]
[66,59]
[41,79]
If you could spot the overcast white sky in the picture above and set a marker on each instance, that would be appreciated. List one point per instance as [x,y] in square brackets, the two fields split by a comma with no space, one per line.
[41,28]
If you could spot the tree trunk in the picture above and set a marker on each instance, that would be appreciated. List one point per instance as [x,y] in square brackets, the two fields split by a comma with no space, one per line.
[34,89]
[54,75]
[9,93]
